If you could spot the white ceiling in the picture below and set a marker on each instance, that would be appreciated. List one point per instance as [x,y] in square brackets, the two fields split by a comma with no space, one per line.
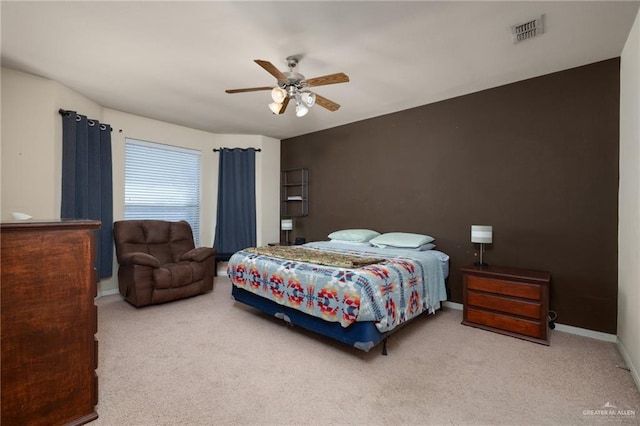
[172,61]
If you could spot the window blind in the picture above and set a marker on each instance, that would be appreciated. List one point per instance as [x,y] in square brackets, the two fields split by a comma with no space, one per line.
[162,182]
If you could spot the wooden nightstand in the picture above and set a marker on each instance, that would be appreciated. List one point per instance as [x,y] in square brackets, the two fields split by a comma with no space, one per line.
[510,301]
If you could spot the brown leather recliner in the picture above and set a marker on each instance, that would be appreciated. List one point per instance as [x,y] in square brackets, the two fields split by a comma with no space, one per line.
[159,262]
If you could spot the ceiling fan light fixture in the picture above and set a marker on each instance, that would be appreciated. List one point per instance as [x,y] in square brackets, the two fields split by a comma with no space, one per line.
[309,98]
[275,107]
[293,86]
[278,94]
[301,109]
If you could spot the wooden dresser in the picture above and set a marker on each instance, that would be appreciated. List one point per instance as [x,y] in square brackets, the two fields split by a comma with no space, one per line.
[49,322]
[507,300]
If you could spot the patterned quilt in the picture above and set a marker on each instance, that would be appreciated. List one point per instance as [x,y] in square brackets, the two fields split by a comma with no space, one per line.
[399,286]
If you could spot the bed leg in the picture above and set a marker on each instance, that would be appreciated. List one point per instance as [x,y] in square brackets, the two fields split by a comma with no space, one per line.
[384,346]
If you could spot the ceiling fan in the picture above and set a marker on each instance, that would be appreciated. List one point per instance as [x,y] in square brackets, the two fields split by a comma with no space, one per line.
[294,86]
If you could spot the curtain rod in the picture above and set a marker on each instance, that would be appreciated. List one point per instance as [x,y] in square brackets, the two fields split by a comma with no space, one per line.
[241,149]
[65,112]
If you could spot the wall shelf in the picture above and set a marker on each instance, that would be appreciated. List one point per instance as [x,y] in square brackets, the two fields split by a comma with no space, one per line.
[294,193]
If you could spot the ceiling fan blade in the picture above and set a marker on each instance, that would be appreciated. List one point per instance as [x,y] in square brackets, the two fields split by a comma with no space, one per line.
[328,79]
[248,89]
[326,103]
[271,69]
[284,105]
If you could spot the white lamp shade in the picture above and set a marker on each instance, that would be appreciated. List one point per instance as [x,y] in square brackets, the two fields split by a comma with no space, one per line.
[308,98]
[275,107]
[301,109]
[286,224]
[481,234]
[278,94]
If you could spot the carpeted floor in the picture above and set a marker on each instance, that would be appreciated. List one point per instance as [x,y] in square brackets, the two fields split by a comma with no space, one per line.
[210,361]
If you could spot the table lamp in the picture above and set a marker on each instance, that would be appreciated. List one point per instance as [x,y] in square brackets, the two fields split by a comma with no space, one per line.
[286,225]
[482,234]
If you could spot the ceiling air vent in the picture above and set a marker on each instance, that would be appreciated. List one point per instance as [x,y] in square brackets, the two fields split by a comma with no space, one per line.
[527,30]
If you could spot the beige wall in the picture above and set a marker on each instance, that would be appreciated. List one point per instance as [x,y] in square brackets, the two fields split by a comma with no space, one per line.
[31,147]
[31,153]
[268,198]
[629,204]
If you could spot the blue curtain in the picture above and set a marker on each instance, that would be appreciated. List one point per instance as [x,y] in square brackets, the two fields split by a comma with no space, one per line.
[236,217]
[87,186]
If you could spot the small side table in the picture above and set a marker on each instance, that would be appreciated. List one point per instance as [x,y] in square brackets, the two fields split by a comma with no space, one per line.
[510,301]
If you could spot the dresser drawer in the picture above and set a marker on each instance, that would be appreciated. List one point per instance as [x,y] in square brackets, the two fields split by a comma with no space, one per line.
[507,323]
[505,304]
[508,288]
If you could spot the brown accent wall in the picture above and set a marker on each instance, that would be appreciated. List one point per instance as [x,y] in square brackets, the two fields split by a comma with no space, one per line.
[537,159]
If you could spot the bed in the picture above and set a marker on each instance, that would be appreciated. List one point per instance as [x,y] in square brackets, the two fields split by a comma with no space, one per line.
[355,294]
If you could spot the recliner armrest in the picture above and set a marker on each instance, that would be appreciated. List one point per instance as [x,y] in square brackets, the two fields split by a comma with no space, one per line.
[140,258]
[199,254]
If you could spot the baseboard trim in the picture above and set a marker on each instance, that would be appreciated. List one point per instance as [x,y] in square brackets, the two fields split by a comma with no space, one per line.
[222,269]
[598,335]
[108,292]
[452,305]
[627,360]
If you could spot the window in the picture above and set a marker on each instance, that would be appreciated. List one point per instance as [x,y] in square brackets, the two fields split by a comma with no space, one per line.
[162,182]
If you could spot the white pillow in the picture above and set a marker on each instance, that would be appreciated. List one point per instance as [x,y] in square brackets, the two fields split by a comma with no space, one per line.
[353,243]
[401,239]
[354,235]
[425,247]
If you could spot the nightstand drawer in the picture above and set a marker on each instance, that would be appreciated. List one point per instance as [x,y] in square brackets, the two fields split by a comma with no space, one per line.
[508,288]
[505,304]
[505,322]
